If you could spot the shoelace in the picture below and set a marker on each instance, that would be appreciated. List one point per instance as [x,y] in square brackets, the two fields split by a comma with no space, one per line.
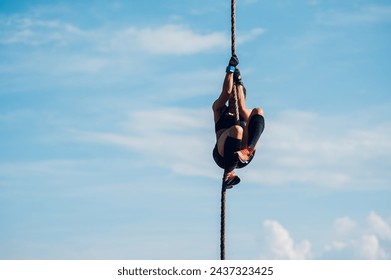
[247,151]
[250,151]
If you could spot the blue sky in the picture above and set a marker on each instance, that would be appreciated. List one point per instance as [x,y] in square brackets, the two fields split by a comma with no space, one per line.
[107,129]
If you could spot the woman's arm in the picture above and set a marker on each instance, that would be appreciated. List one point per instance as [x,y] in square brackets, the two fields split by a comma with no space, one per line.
[243,110]
[226,91]
[225,94]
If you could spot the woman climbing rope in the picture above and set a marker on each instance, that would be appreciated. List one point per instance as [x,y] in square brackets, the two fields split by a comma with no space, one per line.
[235,141]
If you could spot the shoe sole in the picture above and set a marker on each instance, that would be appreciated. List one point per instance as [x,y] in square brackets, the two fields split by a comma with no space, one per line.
[230,184]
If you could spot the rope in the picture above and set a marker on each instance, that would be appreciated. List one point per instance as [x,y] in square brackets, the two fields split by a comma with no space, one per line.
[223,188]
[237,118]
[233,26]
[233,51]
[222,224]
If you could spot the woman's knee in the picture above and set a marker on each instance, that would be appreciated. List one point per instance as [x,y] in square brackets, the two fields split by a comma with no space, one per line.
[257,111]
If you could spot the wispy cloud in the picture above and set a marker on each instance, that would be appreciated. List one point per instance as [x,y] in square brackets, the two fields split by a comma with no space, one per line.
[169,39]
[344,225]
[13,116]
[309,149]
[18,29]
[102,104]
[364,15]
[165,39]
[296,148]
[176,139]
[250,35]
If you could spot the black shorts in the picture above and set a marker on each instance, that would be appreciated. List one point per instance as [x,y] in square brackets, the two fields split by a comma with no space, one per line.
[220,160]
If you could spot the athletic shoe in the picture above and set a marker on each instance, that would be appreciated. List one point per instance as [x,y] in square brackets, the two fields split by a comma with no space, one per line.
[245,155]
[230,179]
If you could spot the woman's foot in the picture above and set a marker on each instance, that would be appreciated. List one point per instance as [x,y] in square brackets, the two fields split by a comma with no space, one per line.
[230,179]
[245,155]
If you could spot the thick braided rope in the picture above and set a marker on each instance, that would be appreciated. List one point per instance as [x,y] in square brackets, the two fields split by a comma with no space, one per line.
[222,224]
[233,51]
[233,26]
[223,188]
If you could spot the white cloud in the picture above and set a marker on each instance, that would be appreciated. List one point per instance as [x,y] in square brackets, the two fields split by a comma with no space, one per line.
[360,241]
[379,226]
[168,39]
[370,248]
[282,246]
[172,39]
[350,240]
[344,225]
[63,54]
[327,151]
[296,147]
[180,140]
[336,246]
[165,39]
[250,35]
[18,29]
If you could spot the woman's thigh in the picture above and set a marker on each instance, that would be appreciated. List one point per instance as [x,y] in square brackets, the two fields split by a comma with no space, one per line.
[221,142]
[235,131]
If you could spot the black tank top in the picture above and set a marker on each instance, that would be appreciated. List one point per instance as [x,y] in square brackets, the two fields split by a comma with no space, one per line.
[227,120]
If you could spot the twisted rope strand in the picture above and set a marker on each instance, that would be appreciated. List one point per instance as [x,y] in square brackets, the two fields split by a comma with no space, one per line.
[222,224]
[233,26]
[233,51]
[234,91]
